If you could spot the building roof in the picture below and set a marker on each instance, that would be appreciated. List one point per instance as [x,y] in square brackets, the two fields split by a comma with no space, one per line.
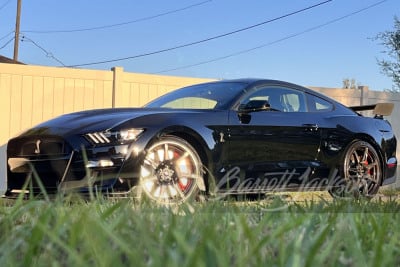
[8,60]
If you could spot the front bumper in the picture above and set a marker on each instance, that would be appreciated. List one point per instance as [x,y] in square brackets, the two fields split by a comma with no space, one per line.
[64,169]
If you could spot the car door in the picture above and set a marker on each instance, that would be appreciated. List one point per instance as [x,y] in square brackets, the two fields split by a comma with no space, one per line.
[277,145]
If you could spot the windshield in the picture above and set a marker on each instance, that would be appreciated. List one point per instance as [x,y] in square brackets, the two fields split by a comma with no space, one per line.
[217,95]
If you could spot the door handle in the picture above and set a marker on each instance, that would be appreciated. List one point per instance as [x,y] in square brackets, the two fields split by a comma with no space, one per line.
[312,127]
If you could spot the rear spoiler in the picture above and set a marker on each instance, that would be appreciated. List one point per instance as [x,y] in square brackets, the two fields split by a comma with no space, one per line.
[379,109]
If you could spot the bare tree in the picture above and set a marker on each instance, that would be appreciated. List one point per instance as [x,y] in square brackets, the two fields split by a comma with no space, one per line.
[391,66]
[349,83]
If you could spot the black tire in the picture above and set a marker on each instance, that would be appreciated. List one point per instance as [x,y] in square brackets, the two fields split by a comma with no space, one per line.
[361,172]
[170,171]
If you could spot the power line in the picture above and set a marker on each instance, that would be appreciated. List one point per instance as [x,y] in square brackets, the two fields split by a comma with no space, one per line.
[204,40]
[48,54]
[5,36]
[7,43]
[5,4]
[121,23]
[276,41]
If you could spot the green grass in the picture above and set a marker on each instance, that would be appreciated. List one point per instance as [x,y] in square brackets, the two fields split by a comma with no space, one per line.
[216,233]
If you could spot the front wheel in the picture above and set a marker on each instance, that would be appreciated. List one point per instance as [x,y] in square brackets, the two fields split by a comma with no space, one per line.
[361,172]
[171,171]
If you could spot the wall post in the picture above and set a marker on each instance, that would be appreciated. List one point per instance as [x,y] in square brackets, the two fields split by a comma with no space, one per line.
[364,95]
[118,77]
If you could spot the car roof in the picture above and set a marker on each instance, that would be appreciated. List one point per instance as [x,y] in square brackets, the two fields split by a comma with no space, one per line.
[259,81]
[253,82]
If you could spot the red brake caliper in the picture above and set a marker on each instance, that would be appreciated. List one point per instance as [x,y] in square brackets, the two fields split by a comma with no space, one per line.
[366,164]
[182,183]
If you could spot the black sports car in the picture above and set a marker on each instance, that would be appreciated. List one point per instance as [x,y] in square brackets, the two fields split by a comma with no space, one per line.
[246,136]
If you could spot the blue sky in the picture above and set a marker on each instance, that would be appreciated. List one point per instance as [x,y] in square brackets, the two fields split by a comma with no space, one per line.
[318,47]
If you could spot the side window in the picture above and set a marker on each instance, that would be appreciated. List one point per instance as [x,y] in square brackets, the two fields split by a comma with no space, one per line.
[279,99]
[191,102]
[316,104]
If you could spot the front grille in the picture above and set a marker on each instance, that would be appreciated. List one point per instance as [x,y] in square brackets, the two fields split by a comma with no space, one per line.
[43,147]
[38,147]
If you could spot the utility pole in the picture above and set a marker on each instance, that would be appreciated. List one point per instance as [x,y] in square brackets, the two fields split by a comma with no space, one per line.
[16,39]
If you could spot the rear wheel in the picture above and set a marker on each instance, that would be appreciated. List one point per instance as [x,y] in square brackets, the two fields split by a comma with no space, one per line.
[361,172]
[170,171]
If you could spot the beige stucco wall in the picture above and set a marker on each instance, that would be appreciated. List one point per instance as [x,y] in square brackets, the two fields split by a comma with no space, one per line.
[136,90]
[31,94]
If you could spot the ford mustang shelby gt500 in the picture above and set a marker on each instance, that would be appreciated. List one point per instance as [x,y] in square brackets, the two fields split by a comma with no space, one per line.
[246,136]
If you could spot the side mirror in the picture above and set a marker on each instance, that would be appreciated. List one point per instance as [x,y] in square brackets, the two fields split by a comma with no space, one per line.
[255,106]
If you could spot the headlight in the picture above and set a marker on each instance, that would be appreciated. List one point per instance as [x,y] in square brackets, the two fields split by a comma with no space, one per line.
[117,137]
[129,135]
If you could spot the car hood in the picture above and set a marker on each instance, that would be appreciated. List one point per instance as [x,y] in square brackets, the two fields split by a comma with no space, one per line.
[91,121]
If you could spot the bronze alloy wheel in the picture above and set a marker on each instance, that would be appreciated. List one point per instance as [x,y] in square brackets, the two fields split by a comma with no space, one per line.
[361,172]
